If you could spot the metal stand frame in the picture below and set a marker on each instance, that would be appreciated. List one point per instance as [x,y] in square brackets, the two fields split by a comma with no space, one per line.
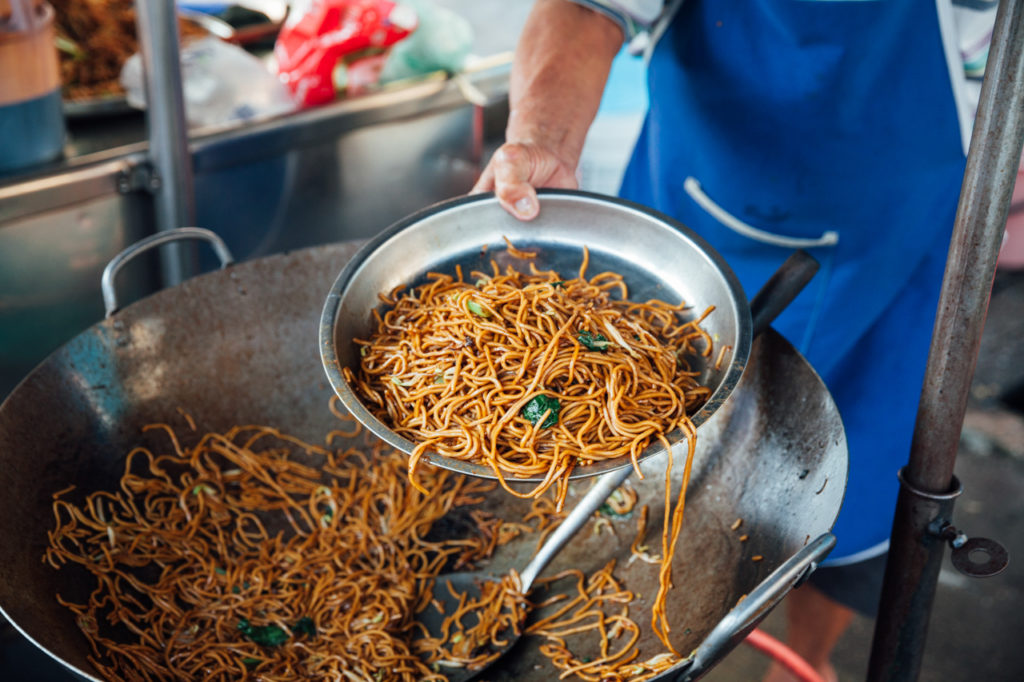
[171,180]
[915,553]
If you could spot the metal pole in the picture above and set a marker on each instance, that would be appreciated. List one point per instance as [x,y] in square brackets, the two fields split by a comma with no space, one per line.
[915,554]
[173,192]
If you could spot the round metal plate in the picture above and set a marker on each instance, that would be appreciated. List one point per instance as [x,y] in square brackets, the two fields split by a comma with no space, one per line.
[657,256]
[980,558]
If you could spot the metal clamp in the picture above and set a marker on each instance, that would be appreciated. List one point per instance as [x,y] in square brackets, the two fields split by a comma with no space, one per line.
[151,242]
[974,557]
[749,612]
[137,175]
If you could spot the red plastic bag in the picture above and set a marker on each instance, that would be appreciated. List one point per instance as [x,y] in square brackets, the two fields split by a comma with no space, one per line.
[308,50]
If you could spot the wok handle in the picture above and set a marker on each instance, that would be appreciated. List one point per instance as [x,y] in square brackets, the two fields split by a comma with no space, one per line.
[743,617]
[781,288]
[151,242]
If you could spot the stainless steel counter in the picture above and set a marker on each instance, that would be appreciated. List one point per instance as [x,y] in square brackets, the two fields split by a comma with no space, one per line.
[342,171]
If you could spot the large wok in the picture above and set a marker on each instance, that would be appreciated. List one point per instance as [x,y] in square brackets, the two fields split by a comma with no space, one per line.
[239,346]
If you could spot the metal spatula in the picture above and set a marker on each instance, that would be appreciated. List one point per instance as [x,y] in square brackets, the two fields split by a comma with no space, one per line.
[770,301]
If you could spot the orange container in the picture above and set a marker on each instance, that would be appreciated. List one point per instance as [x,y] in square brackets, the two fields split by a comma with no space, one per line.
[31,120]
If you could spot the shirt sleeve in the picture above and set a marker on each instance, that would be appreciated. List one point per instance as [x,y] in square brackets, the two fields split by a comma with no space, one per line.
[974,19]
[973,22]
[634,17]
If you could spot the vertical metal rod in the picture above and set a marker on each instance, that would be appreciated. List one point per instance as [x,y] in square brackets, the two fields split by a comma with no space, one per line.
[992,161]
[173,192]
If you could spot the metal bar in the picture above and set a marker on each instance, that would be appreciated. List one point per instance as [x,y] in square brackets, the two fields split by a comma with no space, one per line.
[62,190]
[915,556]
[168,134]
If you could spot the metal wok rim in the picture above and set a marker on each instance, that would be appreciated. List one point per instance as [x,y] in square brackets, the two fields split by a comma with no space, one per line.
[336,298]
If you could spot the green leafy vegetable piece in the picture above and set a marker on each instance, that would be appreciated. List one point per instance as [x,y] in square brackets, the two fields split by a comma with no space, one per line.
[477,309]
[556,285]
[250,662]
[69,47]
[592,341]
[305,626]
[606,510]
[265,635]
[219,571]
[443,377]
[538,405]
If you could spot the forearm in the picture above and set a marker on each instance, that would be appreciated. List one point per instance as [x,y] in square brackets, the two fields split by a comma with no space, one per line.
[559,73]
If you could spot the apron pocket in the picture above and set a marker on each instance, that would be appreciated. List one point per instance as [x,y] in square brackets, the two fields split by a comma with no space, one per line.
[800,321]
[693,188]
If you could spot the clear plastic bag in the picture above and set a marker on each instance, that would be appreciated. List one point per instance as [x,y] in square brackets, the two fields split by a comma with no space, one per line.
[222,83]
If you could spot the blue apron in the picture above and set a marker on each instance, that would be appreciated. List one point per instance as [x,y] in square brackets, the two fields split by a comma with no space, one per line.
[829,126]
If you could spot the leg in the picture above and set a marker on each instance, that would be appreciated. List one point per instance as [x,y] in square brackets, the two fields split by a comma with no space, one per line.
[815,624]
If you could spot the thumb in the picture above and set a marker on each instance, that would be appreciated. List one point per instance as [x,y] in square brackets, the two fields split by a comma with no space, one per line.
[514,168]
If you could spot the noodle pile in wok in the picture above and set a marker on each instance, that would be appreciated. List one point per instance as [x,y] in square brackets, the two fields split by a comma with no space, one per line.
[255,555]
[530,374]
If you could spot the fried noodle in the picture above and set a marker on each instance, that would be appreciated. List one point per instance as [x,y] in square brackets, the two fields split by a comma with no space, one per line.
[529,374]
[533,375]
[254,553]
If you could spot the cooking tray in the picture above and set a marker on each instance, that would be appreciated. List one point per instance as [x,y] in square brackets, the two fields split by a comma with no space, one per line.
[234,346]
[657,256]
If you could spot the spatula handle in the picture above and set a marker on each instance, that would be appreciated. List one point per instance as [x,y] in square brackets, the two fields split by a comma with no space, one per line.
[595,497]
[781,288]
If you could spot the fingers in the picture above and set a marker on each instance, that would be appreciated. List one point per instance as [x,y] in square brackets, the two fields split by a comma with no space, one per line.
[514,169]
[519,200]
[485,183]
[514,172]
